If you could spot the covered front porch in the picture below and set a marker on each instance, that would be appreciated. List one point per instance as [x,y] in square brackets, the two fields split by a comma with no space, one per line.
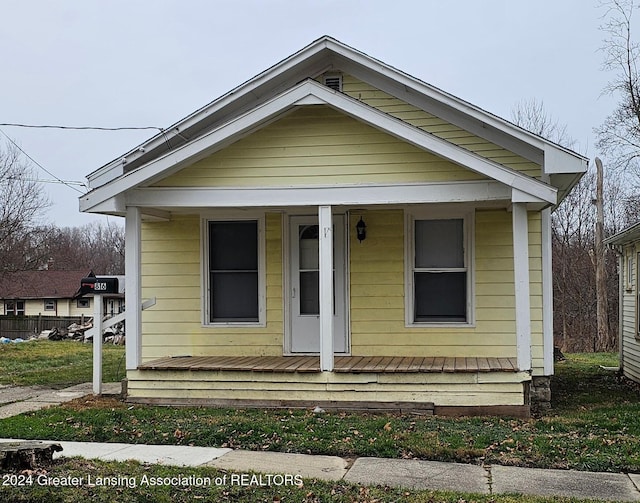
[421,385]
[355,364]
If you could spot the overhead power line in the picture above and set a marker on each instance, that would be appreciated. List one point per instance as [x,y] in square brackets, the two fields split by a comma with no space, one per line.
[59,180]
[82,128]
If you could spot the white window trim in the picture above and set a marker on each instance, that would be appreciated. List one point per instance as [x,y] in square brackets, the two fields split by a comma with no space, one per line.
[629,271]
[54,305]
[262,273]
[411,216]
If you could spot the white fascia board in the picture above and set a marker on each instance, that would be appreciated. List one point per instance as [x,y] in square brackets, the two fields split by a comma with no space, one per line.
[269,111]
[111,205]
[518,196]
[558,161]
[404,82]
[271,197]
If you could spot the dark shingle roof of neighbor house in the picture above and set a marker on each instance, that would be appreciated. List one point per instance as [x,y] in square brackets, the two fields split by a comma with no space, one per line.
[47,284]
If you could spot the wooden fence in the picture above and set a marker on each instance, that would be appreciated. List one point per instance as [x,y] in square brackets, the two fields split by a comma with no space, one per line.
[28,326]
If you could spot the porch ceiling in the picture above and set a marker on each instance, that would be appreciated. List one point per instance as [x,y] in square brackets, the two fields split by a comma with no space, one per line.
[343,364]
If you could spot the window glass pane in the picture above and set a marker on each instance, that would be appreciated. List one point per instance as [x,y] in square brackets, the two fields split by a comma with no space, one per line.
[309,258]
[440,296]
[233,246]
[233,265]
[309,292]
[234,296]
[439,243]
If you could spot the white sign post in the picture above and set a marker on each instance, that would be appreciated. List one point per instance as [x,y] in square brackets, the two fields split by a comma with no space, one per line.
[97,344]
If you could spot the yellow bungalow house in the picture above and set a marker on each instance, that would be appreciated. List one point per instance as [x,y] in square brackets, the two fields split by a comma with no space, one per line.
[335,232]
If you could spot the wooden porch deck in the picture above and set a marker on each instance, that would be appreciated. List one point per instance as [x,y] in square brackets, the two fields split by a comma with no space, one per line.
[345,364]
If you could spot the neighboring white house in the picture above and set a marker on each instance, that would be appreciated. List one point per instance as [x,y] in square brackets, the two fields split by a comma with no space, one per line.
[627,243]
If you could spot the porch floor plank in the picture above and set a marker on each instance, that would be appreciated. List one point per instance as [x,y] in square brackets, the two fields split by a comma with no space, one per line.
[356,364]
[483,365]
[506,364]
[346,363]
[393,366]
[466,365]
[416,364]
[449,365]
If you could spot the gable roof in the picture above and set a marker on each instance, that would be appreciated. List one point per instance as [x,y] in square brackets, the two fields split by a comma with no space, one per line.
[274,87]
[47,284]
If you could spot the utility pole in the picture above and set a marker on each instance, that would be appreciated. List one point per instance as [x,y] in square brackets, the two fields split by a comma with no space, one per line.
[601,286]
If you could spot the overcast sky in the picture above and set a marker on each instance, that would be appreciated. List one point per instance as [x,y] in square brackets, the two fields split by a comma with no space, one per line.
[150,63]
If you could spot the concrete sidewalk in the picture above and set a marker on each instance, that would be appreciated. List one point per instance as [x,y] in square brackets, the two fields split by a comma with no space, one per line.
[16,400]
[414,474]
[407,473]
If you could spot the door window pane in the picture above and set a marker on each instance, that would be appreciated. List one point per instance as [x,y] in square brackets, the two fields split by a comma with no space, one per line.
[309,292]
[309,255]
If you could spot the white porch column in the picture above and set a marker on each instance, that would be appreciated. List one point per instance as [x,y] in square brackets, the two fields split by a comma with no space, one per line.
[326,287]
[521,274]
[133,292]
[547,293]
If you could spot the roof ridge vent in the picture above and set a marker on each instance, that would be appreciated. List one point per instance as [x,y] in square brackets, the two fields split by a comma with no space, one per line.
[333,81]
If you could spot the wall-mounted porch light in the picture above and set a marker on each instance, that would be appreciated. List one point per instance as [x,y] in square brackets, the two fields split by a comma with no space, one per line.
[361,230]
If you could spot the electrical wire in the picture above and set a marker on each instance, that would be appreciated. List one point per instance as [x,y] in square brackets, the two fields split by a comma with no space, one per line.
[40,165]
[81,128]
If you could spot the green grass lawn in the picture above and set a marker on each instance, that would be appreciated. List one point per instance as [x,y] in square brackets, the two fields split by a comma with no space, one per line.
[57,364]
[594,425]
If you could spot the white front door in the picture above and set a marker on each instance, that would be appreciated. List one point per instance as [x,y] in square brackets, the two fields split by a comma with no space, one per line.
[304,298]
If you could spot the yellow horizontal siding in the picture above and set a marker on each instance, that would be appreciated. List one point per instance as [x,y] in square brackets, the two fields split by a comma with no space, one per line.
[377,292]
[172,273]
[424,120]
[317,146]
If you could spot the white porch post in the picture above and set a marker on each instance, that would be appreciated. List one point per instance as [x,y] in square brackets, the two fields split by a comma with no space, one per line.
[133,292]
[547,293]
[326,287]
[521,274]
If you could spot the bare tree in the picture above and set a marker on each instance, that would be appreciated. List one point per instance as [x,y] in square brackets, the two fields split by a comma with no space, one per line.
[97,246]
[619,135]
[532,116]
[22,204]
[581,321]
